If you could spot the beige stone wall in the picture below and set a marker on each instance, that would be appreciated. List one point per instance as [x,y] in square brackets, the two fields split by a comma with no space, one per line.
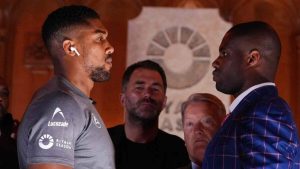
[185,43]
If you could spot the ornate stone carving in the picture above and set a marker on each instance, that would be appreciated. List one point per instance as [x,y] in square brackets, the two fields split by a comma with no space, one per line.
[36,56]
[117,10]
[181,3]
[227,8]
[179,42]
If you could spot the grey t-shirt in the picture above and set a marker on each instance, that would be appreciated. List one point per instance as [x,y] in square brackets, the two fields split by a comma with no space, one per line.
[61,125]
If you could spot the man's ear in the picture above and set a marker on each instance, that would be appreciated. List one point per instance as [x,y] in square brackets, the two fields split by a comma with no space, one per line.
[253,58]
[67,44]
[165,102]
[122,99]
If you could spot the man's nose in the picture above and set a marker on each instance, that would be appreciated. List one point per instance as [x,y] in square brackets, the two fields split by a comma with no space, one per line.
[110,49]
[215,63]
[198,128]
[148,93]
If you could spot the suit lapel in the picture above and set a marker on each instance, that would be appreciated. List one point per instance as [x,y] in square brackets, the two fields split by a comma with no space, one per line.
[245,104]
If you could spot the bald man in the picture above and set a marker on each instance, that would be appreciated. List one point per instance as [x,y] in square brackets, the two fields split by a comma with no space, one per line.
[260,132]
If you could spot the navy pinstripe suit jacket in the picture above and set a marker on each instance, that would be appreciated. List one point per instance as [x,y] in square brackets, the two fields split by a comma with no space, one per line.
[259,133]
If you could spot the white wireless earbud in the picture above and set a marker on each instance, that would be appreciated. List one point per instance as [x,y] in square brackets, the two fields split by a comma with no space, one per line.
[73,49]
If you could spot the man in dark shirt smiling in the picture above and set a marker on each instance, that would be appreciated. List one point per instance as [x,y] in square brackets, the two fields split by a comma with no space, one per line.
[139,143]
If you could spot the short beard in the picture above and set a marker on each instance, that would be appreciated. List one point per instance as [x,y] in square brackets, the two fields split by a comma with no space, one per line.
[144,122]
[99,74]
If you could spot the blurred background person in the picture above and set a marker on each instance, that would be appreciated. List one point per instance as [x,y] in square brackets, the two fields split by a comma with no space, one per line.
[4,94]
[202,115]
[8,126]
[4,103]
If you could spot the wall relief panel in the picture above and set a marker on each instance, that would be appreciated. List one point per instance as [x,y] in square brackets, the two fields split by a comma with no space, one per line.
[36,57]
[184,42]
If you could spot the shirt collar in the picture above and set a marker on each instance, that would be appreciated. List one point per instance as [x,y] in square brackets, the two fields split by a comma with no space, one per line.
[237,100]
[195,166]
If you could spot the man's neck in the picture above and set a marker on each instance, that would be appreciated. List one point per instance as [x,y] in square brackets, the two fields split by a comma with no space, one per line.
[85,85]
[75,73]
[140,134]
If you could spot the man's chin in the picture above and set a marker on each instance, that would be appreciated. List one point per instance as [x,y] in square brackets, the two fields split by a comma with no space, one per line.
[101,78]
[100,74]
[148,116]
[201,143]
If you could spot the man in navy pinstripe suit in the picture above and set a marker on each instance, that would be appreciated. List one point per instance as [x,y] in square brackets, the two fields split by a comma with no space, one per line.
[260,131]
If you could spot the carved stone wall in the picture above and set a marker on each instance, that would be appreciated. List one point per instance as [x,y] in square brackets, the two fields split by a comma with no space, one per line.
[3,36]
[185,43]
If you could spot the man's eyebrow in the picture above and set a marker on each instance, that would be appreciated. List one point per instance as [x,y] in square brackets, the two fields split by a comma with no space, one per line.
[139,82]
[158,84]
[101,31]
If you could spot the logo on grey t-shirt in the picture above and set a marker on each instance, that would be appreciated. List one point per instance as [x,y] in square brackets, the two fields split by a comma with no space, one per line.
[58,115]
[96,121]
[46,141]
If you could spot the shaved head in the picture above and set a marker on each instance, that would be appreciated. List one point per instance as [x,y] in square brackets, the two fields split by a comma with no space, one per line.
[259,36]
[248,55]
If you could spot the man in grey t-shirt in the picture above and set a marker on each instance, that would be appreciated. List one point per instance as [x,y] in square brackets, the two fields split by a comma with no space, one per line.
[61,127]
